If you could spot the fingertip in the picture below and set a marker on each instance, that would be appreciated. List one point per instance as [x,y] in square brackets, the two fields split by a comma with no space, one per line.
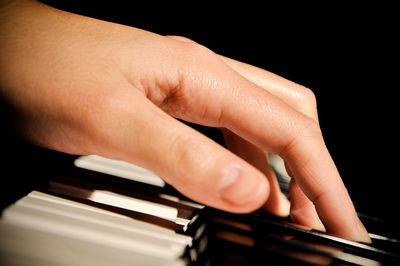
[362,233]
[278,205]
[302,210]
[283,209]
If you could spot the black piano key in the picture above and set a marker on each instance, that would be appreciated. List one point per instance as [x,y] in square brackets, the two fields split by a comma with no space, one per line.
[269,251]
[286,244]
[351,247]
[267,224]
[384,234]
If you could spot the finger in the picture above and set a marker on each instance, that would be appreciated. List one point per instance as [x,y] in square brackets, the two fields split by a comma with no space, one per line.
[323,187]
[195,165]
[301,99]
[297,96]
[302,210]
[277,203]
[267,122]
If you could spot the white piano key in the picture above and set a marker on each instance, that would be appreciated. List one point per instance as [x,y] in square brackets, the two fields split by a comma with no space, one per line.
[96,215]
[119,168]
[130,203]
[25,246]
[136,173]
[58,200]
[185,202]
[278,164]
[92,232]
[118,200]
[51,198]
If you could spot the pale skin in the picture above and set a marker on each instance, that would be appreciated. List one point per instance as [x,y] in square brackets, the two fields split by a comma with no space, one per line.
[85,86]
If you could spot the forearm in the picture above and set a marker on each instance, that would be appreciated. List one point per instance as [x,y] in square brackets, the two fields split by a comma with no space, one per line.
[23,29]
[34,44]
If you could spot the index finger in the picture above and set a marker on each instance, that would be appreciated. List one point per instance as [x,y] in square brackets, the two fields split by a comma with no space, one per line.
[268,122]
[298,140]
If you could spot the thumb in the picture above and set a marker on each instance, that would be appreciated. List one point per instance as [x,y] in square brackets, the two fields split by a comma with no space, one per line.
[195,165]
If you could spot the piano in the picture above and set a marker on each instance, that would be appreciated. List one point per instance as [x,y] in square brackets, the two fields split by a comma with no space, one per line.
[91,210]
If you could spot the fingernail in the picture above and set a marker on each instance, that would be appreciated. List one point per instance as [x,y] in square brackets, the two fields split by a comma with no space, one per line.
[230,176]
[363,235]
[239,188]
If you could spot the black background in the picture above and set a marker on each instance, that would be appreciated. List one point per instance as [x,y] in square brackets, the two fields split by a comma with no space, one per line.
[346,54]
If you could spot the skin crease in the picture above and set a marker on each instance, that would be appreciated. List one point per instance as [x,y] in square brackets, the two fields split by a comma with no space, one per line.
[84,86]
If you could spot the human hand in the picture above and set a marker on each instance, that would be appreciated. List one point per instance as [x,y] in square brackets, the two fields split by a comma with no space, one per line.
[84,86]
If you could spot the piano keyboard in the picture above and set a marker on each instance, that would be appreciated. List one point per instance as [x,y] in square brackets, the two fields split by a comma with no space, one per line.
[99,211]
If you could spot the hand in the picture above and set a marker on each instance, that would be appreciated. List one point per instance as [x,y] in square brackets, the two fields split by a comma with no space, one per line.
[84,86]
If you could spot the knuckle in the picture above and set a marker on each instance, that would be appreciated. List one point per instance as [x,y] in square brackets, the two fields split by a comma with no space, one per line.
[308,96]
[305,128]
[308,127]
[316,198]
[180,38]
[203,55]
[181,149]
[188,152]
[195,52]
[190,97]
[188,54]
[304,100]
